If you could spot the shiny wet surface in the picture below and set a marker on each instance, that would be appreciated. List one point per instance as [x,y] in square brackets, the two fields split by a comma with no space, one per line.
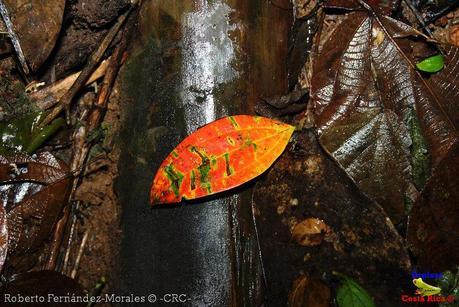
[187,67]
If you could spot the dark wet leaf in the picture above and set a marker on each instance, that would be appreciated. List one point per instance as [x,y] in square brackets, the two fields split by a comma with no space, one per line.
[384,6]
[434,220]
[300,43]
[37,24]
[309,292]
[3,237]
[292,103]
[32,191]
[42,283]
[365,92]
[305,182]
[351,294]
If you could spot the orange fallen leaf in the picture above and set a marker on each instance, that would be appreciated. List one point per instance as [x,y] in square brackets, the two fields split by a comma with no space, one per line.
[219,156]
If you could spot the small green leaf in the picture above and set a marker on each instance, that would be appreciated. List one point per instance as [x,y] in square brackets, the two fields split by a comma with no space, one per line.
[351,294]
[431,64]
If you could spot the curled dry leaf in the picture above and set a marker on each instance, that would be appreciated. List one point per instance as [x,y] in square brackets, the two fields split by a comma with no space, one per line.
[37,24]
[32,191]
[309,292]
[380,119]
[310,232]
[219,156]
[43,283]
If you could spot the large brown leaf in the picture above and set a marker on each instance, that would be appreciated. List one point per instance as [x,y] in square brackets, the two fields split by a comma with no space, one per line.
[32,191]
[368,99]
[37,24]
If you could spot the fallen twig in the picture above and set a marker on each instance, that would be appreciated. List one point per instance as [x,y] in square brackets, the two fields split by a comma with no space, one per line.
[14,38]
[80,253]
[73,226]
[50,95]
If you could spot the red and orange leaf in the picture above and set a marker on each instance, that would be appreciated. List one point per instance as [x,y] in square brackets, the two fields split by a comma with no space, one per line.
[219,156]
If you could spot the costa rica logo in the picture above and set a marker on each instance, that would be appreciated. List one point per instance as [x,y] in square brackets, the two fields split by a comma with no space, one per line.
[426,292]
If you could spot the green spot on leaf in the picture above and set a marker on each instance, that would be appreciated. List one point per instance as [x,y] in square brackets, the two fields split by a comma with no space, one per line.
[351,294]
[229,170]
[175,177]
[431,64]
[233,122]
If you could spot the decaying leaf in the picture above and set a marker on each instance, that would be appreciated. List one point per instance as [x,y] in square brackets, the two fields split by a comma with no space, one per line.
[310,232]
[43,284]
[434,220]
[219,156]
[37,24]
[309,292]
[32,191]
[3,237]
[368,99]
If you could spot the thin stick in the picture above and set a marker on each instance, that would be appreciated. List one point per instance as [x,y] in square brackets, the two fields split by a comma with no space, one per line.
[14,38]
[80,253]
[70,238]
[419,17]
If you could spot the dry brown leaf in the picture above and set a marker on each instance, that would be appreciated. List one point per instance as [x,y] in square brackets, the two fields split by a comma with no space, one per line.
[309,292]
[37,24]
